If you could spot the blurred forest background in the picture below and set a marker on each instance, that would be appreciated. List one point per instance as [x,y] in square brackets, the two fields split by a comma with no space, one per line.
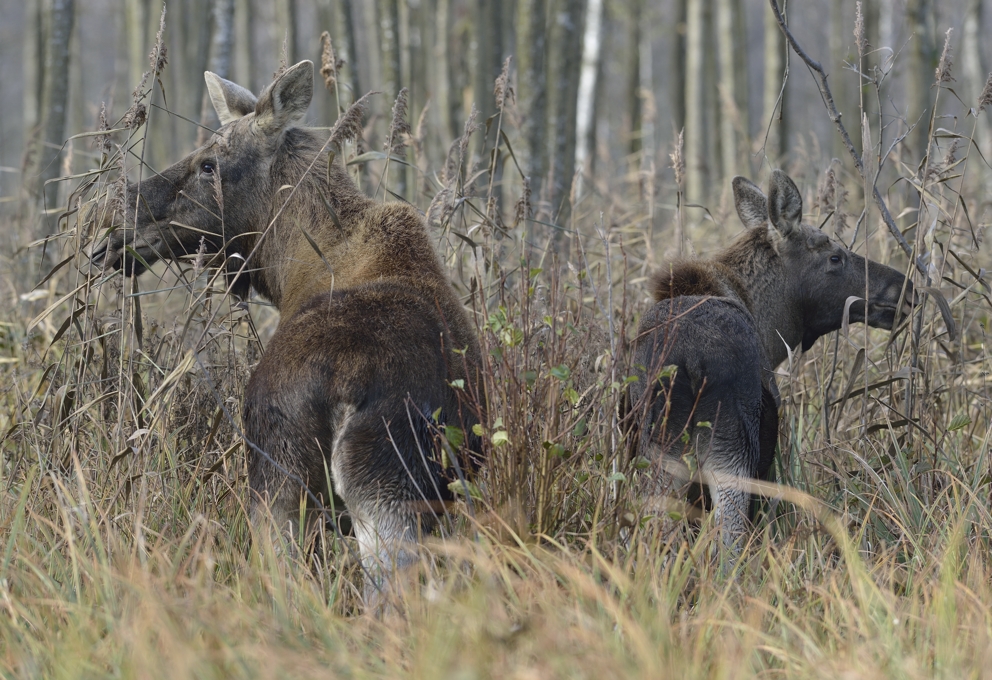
[602,86]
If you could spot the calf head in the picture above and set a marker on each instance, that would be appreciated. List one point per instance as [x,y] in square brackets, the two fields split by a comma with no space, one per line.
[816,275]
[220,195]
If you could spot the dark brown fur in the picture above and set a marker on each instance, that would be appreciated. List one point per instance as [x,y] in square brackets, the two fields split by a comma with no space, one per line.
[726,323]
[371,335]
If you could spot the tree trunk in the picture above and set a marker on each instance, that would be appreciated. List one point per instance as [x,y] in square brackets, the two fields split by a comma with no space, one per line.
[920,74]
[840,41]
[286,21]
[772,116]
[489,51]
[976,72]
[389,47]
[50,133]
[633,71]
[677,87]
[695,129]
[586,105]
[442,70]
[34,65]
[564,57]
[532,89]
[242,68]
[221,44]
[729,109]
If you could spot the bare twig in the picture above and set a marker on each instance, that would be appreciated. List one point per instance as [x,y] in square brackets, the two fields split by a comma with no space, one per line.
[835,116]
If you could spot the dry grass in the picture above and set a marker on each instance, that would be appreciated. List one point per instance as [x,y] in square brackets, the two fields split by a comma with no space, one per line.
[124,546]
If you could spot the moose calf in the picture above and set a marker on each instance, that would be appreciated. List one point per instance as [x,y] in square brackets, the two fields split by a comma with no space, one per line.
[371,336]
[726,323]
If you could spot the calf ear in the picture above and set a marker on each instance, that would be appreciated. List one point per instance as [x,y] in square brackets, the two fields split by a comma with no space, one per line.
[230,100]
[752,206]
[785,203]
[284,103]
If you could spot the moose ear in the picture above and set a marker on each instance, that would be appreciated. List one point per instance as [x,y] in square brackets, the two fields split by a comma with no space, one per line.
[785,203]
[284,103]
[752,206]
[230,100]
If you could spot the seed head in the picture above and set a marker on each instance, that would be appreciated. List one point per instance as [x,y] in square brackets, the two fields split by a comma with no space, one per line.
[351,124]
[678,160]
[943,73]
[330,63]
[399,128]
[985,98]
[158,56]
[859,31]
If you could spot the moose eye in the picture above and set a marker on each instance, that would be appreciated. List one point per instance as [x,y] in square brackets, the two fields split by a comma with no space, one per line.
[835,259]
[207,167]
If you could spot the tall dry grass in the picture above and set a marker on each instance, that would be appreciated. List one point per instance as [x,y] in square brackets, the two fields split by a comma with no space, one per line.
[124,545]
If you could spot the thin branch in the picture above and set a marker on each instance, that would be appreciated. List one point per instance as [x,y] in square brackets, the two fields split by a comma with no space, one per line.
[835,116]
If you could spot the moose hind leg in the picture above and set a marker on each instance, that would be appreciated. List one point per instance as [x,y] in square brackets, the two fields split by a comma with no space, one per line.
[382,498]
[728,468]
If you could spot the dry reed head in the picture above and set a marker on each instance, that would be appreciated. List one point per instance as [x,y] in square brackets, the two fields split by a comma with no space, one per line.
[678,159]
[350,124]
[943,71]
[503,91]
[985,98]
[283,57]
[399,128]
[860,41]
[158,56]
[330,63]
[522,208]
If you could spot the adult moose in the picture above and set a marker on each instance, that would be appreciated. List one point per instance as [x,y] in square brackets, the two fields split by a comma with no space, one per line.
[726,323]
[371,335]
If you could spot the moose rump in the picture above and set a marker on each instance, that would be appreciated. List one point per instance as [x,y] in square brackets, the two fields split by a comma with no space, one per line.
[344,392]
[698,362]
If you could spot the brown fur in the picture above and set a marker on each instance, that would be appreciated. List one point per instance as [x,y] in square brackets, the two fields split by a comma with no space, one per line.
[371,334]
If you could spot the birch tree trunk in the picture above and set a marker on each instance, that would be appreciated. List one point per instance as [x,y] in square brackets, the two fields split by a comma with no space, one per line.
[243,63]
[695,147]
[633,71]
[976,72]
[586,104]
[221,45]
[286,22]
[728,55]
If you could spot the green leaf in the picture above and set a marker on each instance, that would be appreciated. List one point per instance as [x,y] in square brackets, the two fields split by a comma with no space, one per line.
[617,477]
[458,384]
[465,488]
[642,463]
[561,372]
[580,428]
[959,421]
[704,423]
[454,435]
[500,437]
[478,430]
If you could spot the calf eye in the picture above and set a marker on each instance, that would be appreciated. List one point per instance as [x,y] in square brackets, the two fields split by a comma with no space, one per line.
[835,259]
[207,167]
